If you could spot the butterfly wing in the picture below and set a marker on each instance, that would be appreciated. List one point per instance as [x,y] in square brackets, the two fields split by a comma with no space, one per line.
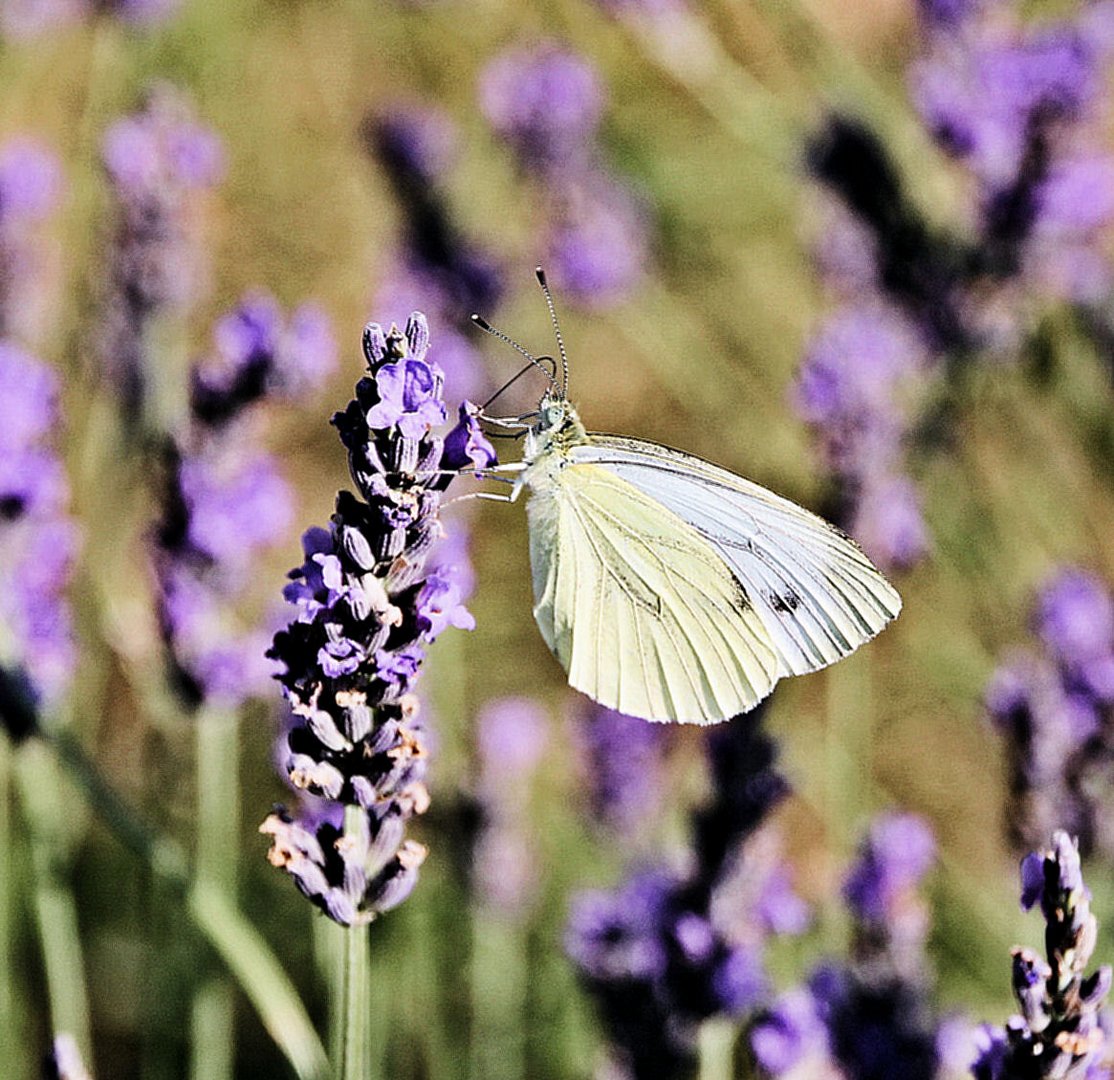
[638,607]
[817,594]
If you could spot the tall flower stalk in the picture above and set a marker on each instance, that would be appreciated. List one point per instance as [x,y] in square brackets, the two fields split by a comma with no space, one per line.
[665,953]
[870,1018]
[223,502]
[1058,1031]
[1054,708]
[367,606]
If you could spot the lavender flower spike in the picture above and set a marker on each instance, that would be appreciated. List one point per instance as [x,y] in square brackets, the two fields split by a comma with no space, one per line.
[366,608]
[1058,1032]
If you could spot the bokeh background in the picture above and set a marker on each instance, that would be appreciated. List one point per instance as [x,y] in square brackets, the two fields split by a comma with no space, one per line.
[850,311]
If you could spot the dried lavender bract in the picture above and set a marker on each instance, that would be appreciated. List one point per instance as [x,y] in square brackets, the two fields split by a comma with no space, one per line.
[367,607]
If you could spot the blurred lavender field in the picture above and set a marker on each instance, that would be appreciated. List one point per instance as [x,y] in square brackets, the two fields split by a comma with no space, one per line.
[860,253]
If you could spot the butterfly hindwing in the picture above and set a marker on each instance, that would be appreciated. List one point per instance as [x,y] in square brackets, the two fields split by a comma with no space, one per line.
[639,607]
[817,594]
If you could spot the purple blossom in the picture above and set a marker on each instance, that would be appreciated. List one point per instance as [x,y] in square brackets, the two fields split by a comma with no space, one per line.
[28,398]
[512,735]
[409,397]
[158,161]
[417,140]
[258,350]
[598,242]
[466,446]
[888,522]
[30,180]
[790,1032]
[22,19]
[236,501]
[367,604]
[38,542]
[1053,710]
[545,101]
[225,502]
[900,850]
[30,189]
[623,764]
[656,953]
[1075,618]
[1058,1031]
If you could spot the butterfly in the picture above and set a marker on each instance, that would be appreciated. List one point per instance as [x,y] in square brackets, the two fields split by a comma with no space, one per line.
[669,588]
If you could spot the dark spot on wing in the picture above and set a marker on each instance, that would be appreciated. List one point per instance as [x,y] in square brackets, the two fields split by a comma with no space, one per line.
[784,603]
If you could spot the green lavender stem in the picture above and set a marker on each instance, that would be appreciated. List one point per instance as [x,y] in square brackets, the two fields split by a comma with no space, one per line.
[9,1041]
[500,985]
[43,803]
[354,992]
[716,1050]
[218,829]
[243,951]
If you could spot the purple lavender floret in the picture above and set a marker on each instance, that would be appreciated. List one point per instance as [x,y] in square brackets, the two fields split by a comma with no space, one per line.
[30,190]
[437,266]
[1058,1031]
[900,850]
[38,542]
[367,607]
[158,160]
[545,101]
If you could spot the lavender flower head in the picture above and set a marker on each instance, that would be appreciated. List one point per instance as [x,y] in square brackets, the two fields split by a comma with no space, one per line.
[158,161]
[365,611]
[1058,1031]
[23,19]
[623,762]
[512,736]
[38,541]
[225,500]
[30,190]
[1053,708]
[545,101]
[654,952]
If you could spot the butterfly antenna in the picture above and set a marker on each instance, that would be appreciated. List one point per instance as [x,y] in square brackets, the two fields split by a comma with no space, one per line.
[539,273]
[534,362]
[487,328]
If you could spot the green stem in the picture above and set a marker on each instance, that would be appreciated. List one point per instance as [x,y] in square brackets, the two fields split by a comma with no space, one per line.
[355,989]
[211,1031]
[716,1050]
[262,979]
[243,950]
[56,911]
[218,829]
[500,985]
[9,1040]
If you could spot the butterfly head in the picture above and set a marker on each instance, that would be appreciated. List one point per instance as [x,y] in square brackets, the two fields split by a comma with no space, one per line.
[558,427]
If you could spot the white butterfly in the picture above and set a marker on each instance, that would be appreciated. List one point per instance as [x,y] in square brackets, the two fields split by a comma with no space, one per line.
[671,589]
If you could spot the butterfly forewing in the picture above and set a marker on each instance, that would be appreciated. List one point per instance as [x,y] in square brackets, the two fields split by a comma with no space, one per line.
[639,607]
[818,596]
